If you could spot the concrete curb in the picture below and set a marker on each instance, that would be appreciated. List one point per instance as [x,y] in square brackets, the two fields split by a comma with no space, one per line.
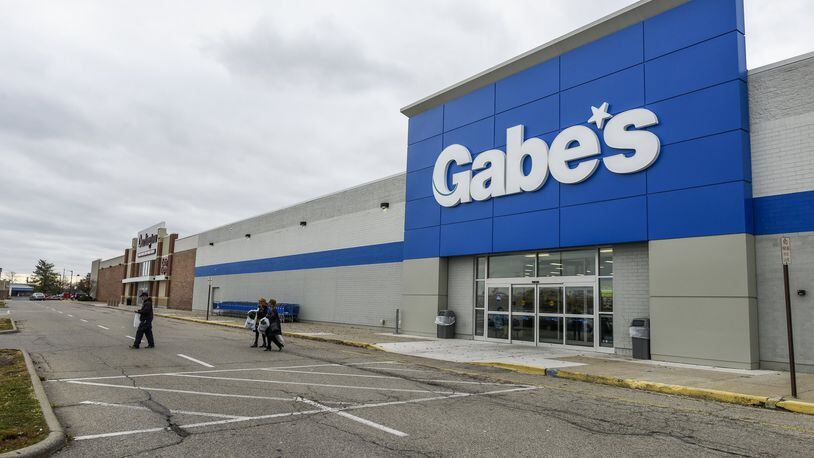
[655,387]
[56,437]
[12,330]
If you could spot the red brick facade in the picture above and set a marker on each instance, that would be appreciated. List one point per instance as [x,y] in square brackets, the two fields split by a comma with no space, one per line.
[183,276]
[110,284]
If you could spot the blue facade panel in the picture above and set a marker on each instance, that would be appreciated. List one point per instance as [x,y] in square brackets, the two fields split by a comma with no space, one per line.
[612,221]
[465,238]
[426,125]
[422,154]
[695,212]
[702,65]
[604,56]
[470,108]
[528,85]
[686,65]
[696,21]
[784,214]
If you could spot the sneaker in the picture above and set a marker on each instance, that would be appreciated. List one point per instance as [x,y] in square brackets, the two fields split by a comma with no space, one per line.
[150,346]
[280,349]
[134,347]
[253,346]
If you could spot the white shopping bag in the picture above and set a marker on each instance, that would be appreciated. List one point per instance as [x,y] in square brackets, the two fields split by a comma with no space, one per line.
[264,324]
[282,341]
[136,320]
[249,323]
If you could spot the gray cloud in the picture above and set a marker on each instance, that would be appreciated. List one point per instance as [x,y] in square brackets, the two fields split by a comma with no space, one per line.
[115,116]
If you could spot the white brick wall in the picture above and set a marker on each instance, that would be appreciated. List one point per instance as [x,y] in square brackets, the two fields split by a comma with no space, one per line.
[461,283]
[771,301]
[782,128]
[631,292]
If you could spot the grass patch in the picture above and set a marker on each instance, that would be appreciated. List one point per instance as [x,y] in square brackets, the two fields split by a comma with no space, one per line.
[5,324]
[2,305]
[21,420]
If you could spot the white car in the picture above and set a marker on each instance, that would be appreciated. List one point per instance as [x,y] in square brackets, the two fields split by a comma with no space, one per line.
[37,297]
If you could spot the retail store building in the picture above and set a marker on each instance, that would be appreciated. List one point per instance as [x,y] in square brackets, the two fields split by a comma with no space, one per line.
[632,168]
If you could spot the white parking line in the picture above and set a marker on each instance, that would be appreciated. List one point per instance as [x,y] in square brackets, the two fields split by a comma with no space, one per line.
[423,380]
[169,390]
[70,315]
[327,385]
[83,320]
[103,327]
[244,369]
[131,337]
[182,412]
[363,421]
[306,412]
[195,360]
[59,311]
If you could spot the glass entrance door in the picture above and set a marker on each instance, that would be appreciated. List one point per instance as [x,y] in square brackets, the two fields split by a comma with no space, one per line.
[566,314]
[497,312]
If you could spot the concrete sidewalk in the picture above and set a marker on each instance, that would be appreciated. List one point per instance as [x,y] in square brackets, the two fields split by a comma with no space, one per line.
[751,387]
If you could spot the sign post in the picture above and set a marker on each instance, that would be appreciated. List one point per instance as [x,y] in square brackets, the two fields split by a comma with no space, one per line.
[785,254]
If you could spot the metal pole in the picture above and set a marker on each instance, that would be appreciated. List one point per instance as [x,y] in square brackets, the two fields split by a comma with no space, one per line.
[789,331]
[208,301]
[397,321]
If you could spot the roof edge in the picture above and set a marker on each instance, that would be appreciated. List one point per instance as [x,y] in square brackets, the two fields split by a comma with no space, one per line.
[604,26]
[781,63]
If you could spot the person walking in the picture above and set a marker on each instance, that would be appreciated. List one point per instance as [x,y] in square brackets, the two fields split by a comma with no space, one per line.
[145,327]
[274,333]
[262,312]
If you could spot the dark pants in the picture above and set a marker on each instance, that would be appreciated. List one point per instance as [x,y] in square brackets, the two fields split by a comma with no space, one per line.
[256,335]
[145,329]
[273,337]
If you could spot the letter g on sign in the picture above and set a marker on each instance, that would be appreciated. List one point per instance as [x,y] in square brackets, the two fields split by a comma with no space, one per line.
[445,196]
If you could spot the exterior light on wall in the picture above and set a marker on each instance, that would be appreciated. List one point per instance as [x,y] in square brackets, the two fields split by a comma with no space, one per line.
[248,236]
[303,223]
[384,206]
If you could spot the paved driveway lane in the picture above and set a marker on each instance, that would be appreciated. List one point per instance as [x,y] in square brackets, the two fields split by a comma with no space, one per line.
[316,399]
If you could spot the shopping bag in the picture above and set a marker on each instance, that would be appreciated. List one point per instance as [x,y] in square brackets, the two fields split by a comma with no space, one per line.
[249,323]
[136,320]
[282,341]
[264,324]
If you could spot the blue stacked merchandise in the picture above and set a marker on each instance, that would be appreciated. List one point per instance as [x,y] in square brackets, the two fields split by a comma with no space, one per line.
[240,308]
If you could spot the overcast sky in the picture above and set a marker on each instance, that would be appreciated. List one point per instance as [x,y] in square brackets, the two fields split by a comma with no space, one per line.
[116,115]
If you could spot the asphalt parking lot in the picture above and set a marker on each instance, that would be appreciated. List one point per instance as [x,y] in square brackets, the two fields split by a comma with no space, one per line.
[204,392]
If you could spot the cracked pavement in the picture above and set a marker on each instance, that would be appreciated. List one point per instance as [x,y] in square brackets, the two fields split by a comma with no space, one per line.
[317,399]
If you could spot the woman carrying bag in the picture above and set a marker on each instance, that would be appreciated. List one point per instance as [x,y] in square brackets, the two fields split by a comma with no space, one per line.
[274,332]
[262,311]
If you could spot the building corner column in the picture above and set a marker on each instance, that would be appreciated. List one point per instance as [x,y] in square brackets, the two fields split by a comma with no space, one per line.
[424,293]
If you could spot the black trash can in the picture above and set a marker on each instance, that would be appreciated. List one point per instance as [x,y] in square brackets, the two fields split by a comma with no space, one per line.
[640,334]
[445,322]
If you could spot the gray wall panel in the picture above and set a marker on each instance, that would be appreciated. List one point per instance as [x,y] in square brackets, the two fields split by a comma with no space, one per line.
[631,296]
[461,281]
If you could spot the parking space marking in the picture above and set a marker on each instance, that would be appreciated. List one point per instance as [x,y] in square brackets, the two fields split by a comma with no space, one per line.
[103,327]
[170,390]
[70,315]
[59,311]
[180,412]
[83,320]
[423,380]
[305,412]
[242,369]
[195,360]
[363,421]
[131,337]
[324,385]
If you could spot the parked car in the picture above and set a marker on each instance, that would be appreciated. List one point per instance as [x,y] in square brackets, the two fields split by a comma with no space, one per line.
[54,297]
[37,297]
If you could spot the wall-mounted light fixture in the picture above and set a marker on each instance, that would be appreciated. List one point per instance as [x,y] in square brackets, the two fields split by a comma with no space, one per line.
[211,243]
[384,206]
[303,223]
[248,236]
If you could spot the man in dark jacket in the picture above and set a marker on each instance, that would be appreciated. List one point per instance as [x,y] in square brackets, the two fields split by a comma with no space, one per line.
[145,327]
[274,333]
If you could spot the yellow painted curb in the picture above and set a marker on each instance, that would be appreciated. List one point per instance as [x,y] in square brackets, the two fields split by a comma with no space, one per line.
[514,367]
[797,406]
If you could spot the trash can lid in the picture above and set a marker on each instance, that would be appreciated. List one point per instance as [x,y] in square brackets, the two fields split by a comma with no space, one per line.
[640,323]
[449,313]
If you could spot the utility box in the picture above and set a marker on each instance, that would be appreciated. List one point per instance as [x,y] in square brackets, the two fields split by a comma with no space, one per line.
[640,335]
[445,322]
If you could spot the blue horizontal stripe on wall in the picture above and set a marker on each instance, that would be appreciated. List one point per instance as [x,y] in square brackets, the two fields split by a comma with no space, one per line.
[356,256]
[784,213]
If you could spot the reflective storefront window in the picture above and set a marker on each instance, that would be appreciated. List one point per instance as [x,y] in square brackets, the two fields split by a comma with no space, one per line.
[481,269]
[606,262]
[479,295]
[549,264]
[498,299]
[479,322]
[579,300]
[512,266]
[579,331]
[605,295]
[498,326]
[523,328]
[578,263]
[523,299]
[550,329]
[550,299]
[605,330]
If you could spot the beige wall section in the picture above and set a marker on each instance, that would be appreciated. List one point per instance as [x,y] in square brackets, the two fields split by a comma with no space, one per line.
[703,300]
[424,292]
